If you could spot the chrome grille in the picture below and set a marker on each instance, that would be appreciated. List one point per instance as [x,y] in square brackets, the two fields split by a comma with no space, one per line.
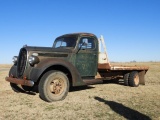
[22,58]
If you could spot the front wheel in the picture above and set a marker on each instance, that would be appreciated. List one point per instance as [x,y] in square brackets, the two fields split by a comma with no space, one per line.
[53,86]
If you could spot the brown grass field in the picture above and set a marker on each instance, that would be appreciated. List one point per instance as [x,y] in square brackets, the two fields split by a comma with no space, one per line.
[110,100]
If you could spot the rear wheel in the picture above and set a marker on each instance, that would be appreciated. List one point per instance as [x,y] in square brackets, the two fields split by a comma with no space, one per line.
[126,77]
[134,79]
[53,86]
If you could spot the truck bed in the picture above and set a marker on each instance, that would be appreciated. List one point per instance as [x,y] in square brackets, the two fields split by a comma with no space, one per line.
[108,67]
[106,70]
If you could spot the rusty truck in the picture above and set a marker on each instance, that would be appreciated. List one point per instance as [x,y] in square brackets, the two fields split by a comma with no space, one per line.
[74,60]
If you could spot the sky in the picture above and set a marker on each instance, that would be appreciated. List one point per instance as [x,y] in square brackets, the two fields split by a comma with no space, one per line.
[131,28]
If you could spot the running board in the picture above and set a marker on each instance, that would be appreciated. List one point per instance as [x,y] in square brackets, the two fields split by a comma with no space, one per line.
[92,81]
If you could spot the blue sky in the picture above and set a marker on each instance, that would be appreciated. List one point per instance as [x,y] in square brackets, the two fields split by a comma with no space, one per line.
[131,28]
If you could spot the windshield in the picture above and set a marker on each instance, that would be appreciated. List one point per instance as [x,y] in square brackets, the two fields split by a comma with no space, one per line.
[65,42]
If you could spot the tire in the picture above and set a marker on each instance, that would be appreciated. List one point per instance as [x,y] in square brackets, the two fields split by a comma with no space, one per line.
[126,77]
[134,79]
[53,86]
[16,88]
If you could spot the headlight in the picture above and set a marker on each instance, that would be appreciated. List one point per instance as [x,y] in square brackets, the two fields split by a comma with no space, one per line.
[33,60]
[14,59]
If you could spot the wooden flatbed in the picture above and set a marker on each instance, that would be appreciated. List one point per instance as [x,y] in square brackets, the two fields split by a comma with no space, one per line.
[106,70]
[107,66]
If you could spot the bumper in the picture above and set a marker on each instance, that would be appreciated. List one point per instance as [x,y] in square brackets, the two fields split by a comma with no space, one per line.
[19,81]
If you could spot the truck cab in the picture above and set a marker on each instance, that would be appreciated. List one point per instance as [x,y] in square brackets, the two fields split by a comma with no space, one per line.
[84,54]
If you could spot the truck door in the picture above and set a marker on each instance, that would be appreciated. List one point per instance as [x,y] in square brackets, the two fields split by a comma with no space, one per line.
[87,56]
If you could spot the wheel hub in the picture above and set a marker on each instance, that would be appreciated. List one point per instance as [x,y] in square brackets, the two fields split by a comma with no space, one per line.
[56,86]
[136,79]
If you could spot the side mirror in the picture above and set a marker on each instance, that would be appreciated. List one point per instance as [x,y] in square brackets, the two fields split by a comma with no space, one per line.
[82,46]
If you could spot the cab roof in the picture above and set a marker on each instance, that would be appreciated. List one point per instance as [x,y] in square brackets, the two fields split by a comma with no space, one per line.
[79,34]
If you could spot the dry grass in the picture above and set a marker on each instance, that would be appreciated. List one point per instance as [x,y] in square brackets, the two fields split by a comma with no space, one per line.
[102,101]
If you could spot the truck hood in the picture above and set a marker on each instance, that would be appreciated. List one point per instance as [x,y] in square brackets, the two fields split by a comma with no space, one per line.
[47,49]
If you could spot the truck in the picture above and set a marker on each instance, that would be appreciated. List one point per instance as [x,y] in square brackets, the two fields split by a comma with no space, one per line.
[75,59]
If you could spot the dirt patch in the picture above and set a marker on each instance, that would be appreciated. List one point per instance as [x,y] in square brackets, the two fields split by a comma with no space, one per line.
[102,101]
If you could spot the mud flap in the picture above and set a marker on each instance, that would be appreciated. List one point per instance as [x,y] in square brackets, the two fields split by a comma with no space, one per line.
[142,77]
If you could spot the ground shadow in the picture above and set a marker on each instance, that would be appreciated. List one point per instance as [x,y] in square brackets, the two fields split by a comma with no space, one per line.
[19,89]
[28,92]
[124,111]
[114,81]
[79,88]
[35,89]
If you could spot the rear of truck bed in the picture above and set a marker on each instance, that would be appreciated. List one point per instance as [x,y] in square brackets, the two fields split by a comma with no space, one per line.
[130,74]
[108,66]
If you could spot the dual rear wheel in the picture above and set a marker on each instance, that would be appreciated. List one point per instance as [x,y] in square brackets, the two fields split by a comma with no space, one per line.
[131,79]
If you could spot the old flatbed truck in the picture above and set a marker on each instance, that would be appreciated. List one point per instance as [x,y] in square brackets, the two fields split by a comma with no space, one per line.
[73,60]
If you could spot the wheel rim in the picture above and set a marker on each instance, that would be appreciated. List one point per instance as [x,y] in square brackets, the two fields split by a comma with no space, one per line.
[136,80]
[57,86]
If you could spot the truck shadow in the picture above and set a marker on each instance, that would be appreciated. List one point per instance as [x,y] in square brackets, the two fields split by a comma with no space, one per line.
[114,81]
[31,92]
[72,89]
[79,88]
[111,81]
[124,111]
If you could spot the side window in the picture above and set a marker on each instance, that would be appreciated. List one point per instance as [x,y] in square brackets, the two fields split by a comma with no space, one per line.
[87,43]
[60,44]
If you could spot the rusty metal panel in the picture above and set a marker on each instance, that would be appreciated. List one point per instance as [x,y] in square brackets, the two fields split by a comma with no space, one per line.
[93,81]
[129,68]
[19,81]
[105,66]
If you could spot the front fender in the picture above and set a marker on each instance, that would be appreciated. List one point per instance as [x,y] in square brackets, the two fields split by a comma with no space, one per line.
[13,71]
[37,71]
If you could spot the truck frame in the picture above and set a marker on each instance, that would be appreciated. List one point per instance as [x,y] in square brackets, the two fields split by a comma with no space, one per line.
[74,60]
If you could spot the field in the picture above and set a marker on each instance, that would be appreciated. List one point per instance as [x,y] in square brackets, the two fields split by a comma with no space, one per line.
[95,102]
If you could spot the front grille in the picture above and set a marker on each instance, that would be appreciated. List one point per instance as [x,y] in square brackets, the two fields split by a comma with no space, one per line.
[22,58]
